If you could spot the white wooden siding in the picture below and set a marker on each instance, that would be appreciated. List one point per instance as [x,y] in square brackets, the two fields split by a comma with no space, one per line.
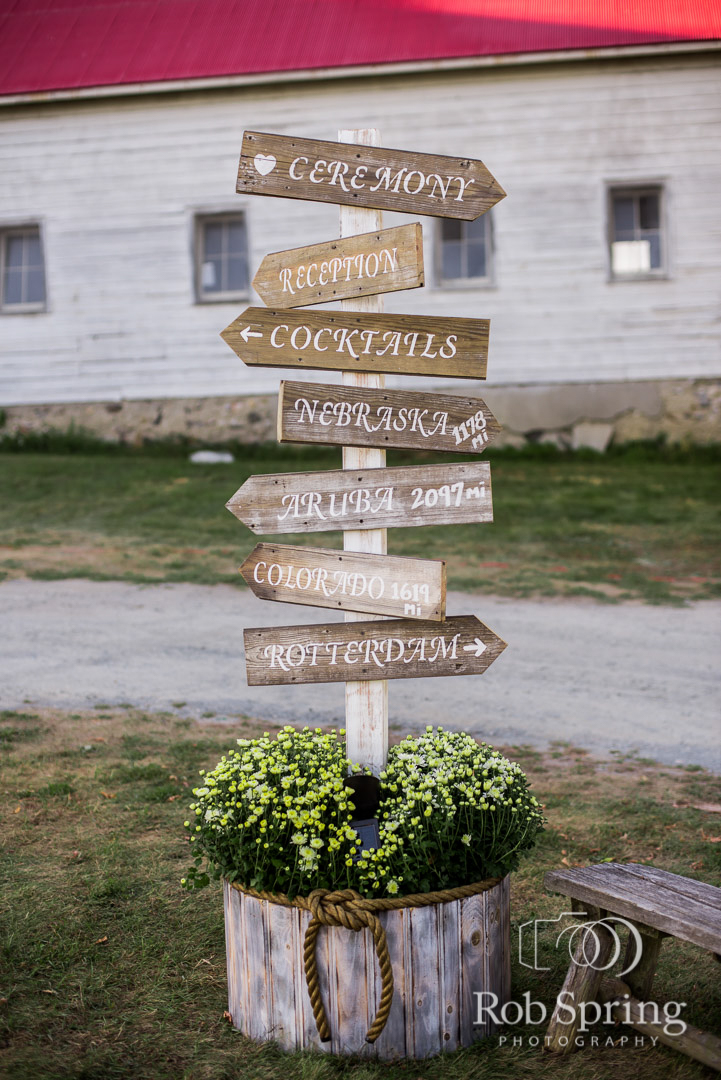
[115,183]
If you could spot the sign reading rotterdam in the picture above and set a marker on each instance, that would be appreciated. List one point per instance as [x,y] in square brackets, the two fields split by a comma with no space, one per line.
[364,651]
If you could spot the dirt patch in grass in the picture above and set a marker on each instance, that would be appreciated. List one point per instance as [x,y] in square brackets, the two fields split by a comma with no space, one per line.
[110,970]
[97,559]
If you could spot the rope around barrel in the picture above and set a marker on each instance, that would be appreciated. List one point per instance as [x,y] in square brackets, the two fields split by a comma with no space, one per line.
[346,907]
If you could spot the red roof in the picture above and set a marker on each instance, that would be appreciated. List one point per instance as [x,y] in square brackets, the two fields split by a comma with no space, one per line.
[67,44]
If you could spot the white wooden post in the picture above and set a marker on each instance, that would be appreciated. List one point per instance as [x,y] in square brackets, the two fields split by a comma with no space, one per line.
[366,703]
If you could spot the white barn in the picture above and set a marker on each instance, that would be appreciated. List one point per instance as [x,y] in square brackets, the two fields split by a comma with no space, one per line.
[124,250]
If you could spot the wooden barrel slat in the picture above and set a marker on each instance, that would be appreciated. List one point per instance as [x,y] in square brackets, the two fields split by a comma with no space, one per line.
[505,952]
[449,967]
[307,1031]
[442,956]
[349,994]
[425,966]
[280,975]
[472,968]
[255,990]
[391,1043]
[235,959]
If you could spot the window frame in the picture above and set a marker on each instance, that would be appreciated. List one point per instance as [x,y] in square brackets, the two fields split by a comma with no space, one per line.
[637,189]
[8,229]
[201,218]
[488,281]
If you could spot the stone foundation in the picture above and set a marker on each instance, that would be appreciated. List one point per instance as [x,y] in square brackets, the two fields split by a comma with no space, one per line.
[568,415]
[200,420]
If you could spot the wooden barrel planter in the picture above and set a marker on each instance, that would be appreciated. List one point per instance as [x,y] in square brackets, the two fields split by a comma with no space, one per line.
[441,955]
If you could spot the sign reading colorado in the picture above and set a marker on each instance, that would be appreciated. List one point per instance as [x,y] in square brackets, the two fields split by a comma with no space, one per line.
[372,176]
[363,651]
[348,580]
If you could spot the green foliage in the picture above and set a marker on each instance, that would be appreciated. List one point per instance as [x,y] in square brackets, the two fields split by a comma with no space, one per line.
[56,789]
[276,815]
[452,812]
[11,733]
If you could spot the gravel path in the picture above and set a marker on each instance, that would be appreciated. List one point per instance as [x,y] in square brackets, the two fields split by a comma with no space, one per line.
[624,677]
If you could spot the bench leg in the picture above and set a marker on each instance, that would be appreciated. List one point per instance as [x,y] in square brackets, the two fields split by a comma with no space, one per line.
[581,985]
[640,979]
[627,1009]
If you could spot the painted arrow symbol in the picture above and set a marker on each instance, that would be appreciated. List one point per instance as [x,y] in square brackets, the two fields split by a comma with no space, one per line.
[477,648]
[248,333]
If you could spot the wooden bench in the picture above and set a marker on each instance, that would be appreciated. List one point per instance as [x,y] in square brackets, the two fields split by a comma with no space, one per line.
[658,904]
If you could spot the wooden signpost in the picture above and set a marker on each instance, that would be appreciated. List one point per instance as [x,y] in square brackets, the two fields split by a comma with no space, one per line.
[363,175]
[348,581]
[318,413]
[374,262]
[366,703]
[393,649]
[465,943]
[371,499]
[356,341]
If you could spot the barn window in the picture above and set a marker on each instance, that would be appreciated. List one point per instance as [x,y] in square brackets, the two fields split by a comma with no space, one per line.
[221,257]
[636,232]
[464,251]
[22,270]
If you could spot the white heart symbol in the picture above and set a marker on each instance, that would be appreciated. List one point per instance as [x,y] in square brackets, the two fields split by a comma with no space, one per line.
[264,163]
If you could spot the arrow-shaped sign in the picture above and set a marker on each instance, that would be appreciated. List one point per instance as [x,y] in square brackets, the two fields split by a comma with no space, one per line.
[373,176]
[362,651]
[361,341]
[375,262]
[365,499]
[348,581]
[317,413]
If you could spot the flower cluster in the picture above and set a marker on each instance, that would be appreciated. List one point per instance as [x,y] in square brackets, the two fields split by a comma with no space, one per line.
[276,814]
[453,811]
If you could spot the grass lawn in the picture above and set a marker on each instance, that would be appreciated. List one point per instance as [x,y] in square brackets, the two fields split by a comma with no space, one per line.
[109,970]
[637,524]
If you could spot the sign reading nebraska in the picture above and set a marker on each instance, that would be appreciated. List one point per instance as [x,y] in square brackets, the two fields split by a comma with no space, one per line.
[372,176]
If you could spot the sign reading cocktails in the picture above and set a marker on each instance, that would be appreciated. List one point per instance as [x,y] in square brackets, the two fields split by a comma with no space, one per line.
[348,581]
[362,265]
[361,651]
[360,341]
[372,176]
[368,499]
